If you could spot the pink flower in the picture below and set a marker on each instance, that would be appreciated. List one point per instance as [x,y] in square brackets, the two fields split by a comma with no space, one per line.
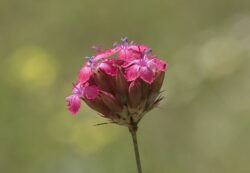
[94,64]
[83,91]
[144,68]
[129,51]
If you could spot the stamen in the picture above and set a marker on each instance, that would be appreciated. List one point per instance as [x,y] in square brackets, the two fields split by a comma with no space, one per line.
[99,60]
[115,44]
[78,89]
[98,49]
[124,40]
[148,51]
[89,58]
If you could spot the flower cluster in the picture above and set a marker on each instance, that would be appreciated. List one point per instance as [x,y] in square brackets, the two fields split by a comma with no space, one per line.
[121,83]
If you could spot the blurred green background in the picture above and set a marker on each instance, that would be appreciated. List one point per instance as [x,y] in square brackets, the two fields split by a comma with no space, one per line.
[203,124]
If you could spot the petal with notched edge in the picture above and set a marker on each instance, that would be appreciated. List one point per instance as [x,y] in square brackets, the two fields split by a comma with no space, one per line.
[131,52]
[147,75]
[108,68]
[157,64]
[85,74]
[132,72]
[161,65]
[106,54]
[74,104]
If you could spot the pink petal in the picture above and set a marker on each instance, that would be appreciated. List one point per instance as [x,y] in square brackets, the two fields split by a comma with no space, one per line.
[127,54]
[85,74]
[122,54]
[132,72]
[139,48]
[106,54]
[78,89]
[108,68]
[156,65]
[147,75]
[90,92]
[129,63]
[131,52]
[74,104]
[162,66]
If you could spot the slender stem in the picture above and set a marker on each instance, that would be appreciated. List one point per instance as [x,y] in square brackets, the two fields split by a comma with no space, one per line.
[136,148]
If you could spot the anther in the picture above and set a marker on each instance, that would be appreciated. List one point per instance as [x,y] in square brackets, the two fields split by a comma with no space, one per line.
[148,51]
[124,40]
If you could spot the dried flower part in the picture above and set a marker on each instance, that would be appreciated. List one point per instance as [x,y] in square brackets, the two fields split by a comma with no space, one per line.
[98,105]
[111,102]
[101,79]
[156,86]
[122,83]
[135,93]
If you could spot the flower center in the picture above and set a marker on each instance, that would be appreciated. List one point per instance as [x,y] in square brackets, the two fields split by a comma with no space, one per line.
[93,63]
[143,62]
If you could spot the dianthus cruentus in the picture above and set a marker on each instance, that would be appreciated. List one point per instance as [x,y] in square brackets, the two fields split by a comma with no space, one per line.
[122,84]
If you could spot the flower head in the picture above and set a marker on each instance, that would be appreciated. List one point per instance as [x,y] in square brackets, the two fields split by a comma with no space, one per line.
[122,83]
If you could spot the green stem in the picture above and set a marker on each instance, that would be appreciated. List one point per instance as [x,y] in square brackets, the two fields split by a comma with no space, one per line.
[133,130]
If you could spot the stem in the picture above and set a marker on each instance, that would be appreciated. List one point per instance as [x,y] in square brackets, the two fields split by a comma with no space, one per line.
[133,130]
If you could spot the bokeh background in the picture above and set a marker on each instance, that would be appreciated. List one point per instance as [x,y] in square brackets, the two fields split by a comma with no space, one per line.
[202,126]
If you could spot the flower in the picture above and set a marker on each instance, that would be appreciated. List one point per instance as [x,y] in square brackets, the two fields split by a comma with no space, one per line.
[94,64]
[129,51]
[122,83]
[84,91]
[144,68]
